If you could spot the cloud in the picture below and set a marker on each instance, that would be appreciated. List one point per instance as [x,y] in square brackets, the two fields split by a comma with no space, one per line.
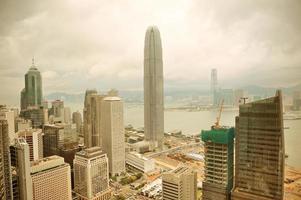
[99,44]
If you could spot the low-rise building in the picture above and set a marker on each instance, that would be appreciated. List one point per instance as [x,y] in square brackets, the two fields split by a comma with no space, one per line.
[140,162]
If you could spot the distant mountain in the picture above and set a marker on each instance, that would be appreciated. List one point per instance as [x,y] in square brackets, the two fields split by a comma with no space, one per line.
[137,95]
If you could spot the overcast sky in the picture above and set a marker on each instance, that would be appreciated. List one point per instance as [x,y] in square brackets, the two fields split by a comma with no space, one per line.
[79,44]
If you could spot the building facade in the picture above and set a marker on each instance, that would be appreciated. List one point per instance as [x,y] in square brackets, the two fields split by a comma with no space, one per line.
[113,138]
[91,175]
[219,163]
[139,162]
[92,119]
[51,179]
[32,94]
[53,139]
[259,149]
[153,88]
[179,184]
[5,163]
[20,163]
[77,119]
[8,115]
[34,139]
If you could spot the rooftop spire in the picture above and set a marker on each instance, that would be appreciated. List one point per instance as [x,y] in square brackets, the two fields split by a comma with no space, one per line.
[32,61]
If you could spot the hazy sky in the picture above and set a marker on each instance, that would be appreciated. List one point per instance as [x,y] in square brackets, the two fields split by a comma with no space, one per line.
[79,44]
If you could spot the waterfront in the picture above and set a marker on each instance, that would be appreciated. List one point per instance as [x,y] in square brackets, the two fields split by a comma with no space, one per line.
[194,122]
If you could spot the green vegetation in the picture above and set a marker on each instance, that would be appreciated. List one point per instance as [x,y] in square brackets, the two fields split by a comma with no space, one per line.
[130,179]
[119,197]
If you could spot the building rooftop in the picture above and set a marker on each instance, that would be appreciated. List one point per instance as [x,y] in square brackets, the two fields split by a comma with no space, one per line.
[112,99]
[90,152]
[46,163]
[220,136]
[28,132]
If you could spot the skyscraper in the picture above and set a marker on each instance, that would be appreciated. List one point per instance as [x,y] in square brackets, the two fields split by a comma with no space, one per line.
[32,94]
[213,87]
[180,184]
[91,174]
[77,119]
[259,149]
[53,139]
[21,164]
[219,156]
[5,172]
[112,129]
[153,88]
[92,118]
[51,179]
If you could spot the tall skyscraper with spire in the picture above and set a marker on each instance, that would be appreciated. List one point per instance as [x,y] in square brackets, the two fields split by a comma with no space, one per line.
[153,88]
[32,94]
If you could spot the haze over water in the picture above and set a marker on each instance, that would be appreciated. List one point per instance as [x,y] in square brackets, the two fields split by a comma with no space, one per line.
[194,122]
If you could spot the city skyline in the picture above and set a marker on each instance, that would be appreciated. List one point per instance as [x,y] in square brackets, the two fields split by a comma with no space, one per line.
[207,109]
[232,37]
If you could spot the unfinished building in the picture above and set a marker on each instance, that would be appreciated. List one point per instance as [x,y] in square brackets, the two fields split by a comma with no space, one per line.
[218,175]
[259,148]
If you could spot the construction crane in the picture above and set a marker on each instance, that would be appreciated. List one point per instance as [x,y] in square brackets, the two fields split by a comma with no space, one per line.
[217,125]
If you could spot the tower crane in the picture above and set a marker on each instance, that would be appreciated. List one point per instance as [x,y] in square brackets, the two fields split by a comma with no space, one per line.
[217,125]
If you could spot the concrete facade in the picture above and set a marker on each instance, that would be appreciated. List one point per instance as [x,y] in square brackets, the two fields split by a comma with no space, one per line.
[113,138]
[51,179]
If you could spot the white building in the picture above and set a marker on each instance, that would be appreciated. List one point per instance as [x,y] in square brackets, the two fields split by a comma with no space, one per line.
[112,131]
[139,162]
[91,174]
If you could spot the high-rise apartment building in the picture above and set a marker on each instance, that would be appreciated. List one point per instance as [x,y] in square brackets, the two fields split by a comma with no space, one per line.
[219,163]
[5,171]
[259,149]
[51,179]
[32,94]
[180,184]
[34,139]
[20,163]
[153,88]
[91,175]
[112,129]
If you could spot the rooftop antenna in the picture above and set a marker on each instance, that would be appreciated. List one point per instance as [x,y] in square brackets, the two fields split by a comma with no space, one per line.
[32,60]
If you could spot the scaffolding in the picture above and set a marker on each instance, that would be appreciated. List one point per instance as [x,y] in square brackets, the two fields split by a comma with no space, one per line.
[219,152]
